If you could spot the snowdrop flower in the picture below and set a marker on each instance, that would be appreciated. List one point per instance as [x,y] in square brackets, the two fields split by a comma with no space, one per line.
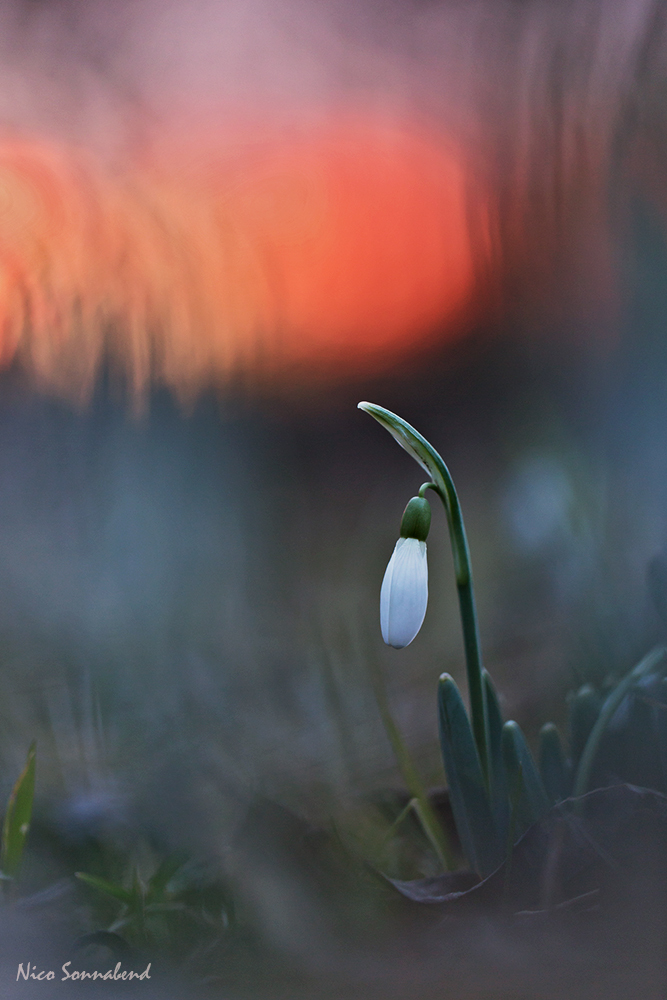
[404,593]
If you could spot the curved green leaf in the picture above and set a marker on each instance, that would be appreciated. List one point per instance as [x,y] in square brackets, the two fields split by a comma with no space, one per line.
[17,817]
[108,888]
[532,801]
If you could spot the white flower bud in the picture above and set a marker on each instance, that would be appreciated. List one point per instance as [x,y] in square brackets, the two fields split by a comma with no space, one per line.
[404,593]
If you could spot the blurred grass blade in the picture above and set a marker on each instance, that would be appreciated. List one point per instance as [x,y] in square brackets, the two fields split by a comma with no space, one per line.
[498,778]
[165,872]
[108,888]
[533,801]
[424,810]
[645,667]
[467,789]
[554,768]
[17,817]
[584,710]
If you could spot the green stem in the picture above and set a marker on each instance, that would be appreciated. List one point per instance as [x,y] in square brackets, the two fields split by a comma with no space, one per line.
[429,459]
[471,644]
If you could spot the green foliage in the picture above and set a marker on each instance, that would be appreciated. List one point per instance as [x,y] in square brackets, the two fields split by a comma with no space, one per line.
[584,710]
[17,818]
[160,909]
[467,789]
[487,816]
[531,801]
[498,777]
[554,768]
[518,794]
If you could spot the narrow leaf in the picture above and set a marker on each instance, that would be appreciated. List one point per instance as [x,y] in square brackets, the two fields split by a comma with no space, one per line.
[498,778]
[108,888]
[533,801]
[584,710]
[554,768]
[17,817]
[165,872]
[467,790]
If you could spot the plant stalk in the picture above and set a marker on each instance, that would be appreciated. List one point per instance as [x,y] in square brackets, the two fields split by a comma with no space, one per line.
[425,454]
[464,585]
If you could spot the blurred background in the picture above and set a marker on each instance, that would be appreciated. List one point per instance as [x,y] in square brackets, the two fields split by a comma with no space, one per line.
[222,225]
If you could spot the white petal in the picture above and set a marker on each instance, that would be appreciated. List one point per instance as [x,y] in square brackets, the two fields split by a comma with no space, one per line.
[404,593]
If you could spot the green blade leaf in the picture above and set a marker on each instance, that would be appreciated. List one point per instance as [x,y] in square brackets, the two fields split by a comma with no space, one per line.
[161,878]
[17,817]
[467,790]
[499,790]
[533,801]
[554,768]
[108,888]
[584,710]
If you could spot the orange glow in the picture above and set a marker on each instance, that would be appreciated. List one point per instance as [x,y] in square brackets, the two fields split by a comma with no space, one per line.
[333,250]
